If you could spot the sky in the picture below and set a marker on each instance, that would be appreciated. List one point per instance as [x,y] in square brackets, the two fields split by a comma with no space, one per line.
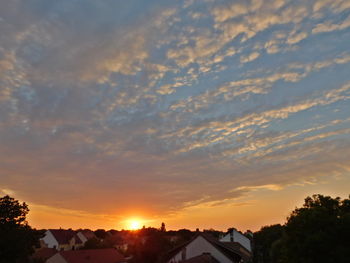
[196,113]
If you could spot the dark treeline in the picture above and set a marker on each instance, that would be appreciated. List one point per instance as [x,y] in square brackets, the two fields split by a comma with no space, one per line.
[144,245]
[17,239]
[317,232]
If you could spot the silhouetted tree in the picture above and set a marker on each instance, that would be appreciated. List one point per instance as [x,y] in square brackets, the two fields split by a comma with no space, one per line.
[162,228]
[150,249]
[17,238]
[147,231]
[185,234]
[93,243]
[319,231]
[112,240]
[100,233]
[213,232]
[264,240]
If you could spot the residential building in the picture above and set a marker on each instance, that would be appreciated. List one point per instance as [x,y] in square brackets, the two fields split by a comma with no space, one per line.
[43,254]
[204,258]
[205,247]
[86,235]
[107,255]
[61,239]
[233,235]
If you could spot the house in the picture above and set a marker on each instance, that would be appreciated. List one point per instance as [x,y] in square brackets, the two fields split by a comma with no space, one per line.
[233,235]
[204,258]
[205,248]
[107,255]
[61,239]
[123,247]
[123,240]
[86,235]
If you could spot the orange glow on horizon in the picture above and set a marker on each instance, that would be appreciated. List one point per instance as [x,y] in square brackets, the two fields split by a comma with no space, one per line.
[133,224]
[262,207]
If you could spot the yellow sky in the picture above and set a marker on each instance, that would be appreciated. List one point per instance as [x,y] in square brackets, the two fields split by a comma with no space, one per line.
[259,208]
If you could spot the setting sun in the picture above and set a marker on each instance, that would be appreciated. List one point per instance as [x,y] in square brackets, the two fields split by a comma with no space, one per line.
[134,224]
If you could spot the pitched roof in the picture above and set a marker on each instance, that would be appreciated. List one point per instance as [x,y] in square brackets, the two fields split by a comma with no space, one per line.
[44,253]
[232,250]
[204,258]
[106,255]
[177,249]
[63,236]
[88,234]
[235,246]
[228,251]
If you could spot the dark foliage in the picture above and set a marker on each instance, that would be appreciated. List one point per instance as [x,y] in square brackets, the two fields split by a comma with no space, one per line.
[93,243]
[147,231]
[213,232]
[162,228]
[100,233]
[17,238]
[319,231]
[315,233]
[152,249]
[264,240]
[185,234]
[149,246]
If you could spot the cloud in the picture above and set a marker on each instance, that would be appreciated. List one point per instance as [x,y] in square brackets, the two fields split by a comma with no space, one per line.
[233,10]
[124,100]
[336,6]
[328,26]
[256,17]
[289,142]
[250,57]
[268,186]
[259,85]
[296,38]
[5,191]
[215,131]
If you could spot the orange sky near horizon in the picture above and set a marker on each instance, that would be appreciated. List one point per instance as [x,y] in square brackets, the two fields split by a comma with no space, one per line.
[262,207]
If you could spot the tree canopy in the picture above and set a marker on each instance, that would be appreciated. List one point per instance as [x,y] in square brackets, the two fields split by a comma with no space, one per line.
[12,211]
[317,232]
[264,240]
[17,237]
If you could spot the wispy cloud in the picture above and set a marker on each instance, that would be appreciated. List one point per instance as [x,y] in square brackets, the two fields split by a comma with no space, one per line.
[250,57]
[210,100]
[293,72]
[329,26]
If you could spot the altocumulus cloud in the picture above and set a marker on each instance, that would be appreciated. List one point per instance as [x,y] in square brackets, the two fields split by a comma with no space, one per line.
[170,104]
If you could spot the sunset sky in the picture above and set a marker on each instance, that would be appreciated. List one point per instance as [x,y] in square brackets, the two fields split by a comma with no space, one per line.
[196,113]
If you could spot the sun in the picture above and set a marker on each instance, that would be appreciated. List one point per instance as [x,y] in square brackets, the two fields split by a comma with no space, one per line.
[134,224]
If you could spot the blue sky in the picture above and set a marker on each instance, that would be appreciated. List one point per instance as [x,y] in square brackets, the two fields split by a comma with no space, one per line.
[156,107]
